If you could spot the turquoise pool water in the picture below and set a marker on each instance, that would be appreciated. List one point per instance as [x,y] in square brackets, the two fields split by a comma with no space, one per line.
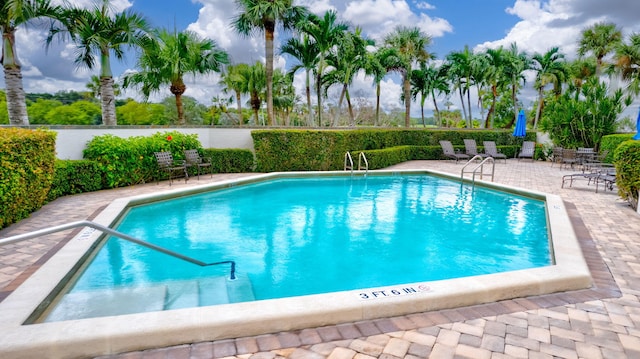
[303,236]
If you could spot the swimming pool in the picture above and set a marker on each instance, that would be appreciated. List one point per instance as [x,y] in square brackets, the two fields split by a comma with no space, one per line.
[95,336]
[302,236]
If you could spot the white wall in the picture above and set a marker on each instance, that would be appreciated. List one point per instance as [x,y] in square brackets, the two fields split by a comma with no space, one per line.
[70,142]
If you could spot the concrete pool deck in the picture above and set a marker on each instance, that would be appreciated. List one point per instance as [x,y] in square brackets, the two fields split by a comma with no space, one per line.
[588,323]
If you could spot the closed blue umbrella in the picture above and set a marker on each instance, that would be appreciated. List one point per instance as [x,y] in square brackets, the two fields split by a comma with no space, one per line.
[521,125]
[637,136]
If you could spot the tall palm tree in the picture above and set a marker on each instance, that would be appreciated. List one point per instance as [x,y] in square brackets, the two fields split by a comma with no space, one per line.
[306,51]
[326,31]
[437,83]
[174,55]
[411,46]
[13,14]
[99,33]
[550,69]
[256,85]
[496,77]
[628,62]
[517,62]
[346,60]
[234,79]
[460,69]
[263,16]
[600,40]
[420,86]
[374,67]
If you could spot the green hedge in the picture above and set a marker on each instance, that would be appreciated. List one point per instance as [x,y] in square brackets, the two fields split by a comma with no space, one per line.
[626,158]
[611,142]
[75,176]
[230,160]
[317,150]
[27,160]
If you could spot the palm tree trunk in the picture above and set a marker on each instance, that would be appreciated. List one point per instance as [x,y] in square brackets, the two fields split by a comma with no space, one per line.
[422,98]
[239,103]
[407,99]
[108,101]
[437,112]
[539,109]
[16,102]
[464,109]
[268,50]
[308,90]
[377,119]
[336,117]
[352,119]
[319,93]
[470,118]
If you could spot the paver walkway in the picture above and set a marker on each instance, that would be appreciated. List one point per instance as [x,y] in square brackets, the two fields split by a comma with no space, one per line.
[602,322]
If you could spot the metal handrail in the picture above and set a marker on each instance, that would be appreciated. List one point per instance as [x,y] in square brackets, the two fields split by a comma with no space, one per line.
[361,157]
[479,166]
[126,237]
[348,165]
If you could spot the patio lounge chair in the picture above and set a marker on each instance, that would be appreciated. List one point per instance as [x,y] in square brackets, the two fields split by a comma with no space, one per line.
[527,150]
[471,148]
[491,150]
[194,159]
[175,169]
[449,152]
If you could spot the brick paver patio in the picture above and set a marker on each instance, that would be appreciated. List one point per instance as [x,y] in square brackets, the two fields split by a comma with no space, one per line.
[601,322]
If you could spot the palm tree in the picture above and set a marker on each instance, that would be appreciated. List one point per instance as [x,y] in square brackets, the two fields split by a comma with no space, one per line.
[411,46]
[13,14]
[600,39]
[306,52]
[436,79]
[346,60]
[284,95]
[256,84]
[98,32]
[174,55]
[495,77]
[628,62]
[466,68]
[234,79]
[517,62]
[580,71]
[374,67]
[263,16]
[549,68]
[420,86]
[326,31]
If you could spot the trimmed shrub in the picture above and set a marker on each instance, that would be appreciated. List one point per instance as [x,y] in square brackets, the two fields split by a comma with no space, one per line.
[611,142]
[27,160]
[627,161]
[73,176]
[230,160]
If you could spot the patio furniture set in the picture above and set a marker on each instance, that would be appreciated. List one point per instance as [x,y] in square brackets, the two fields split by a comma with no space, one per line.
[179,168]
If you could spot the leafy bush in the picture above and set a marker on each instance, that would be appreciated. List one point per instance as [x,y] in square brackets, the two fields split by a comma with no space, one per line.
[72,177]
[626,158]
[128,161]
[27,160]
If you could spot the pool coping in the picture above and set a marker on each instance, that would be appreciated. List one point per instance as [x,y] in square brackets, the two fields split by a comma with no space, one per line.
[97,336]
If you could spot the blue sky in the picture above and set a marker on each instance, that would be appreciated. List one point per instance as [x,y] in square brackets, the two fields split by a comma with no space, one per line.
[535,26]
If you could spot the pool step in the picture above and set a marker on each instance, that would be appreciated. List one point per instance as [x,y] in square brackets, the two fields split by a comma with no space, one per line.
[167,296]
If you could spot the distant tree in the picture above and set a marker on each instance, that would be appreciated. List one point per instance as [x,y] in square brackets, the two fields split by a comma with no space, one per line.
[234,79]
[307,52]
[263,16]
[78,113]
[550,68]
[517,62]
[136,113]
[375,68]
[39,109]
[195,113]
[256,85]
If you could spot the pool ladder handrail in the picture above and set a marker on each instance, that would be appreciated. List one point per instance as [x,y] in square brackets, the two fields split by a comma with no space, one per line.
[126,237]
[348,162]
[478,167]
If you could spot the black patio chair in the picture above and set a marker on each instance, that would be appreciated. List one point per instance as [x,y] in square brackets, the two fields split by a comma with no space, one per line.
[174,168]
